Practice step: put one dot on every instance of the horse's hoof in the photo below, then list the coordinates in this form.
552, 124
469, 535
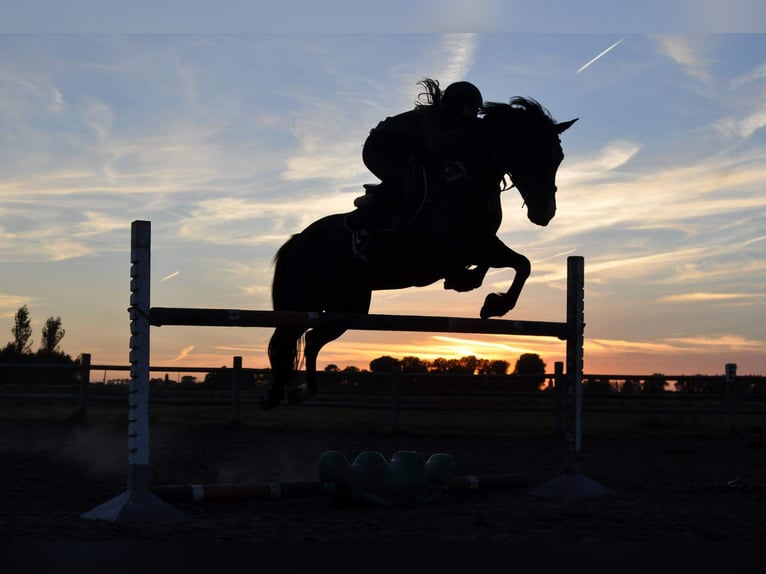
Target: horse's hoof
495, 305
300, 395
271, 399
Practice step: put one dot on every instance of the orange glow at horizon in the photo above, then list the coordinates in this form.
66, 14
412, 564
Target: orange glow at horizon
601, 356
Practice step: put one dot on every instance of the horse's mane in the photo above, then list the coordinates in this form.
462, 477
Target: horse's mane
526, 109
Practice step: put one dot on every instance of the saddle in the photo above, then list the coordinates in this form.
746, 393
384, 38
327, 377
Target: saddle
371, 220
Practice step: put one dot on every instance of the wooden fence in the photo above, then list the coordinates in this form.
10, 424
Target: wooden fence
399, 391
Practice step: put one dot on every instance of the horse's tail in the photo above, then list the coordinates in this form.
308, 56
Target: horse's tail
286, 344
280, 284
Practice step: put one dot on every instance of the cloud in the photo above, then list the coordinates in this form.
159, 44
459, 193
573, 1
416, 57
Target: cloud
688, 52
183, 353
240, 221
705, 297
459, 51
170, 276
743, 127
758, 73
610, 157
10, 304
705, 344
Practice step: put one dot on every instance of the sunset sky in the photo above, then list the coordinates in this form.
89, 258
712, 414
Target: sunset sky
229, 143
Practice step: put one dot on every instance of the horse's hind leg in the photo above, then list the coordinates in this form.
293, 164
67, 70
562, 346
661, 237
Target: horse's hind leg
283, 356
315, 340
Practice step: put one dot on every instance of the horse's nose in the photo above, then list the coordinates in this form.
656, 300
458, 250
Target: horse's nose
543, 215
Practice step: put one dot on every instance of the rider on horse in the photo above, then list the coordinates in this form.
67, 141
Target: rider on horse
402, 146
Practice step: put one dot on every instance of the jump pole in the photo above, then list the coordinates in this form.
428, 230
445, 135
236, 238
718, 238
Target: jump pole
138, 503
573, 483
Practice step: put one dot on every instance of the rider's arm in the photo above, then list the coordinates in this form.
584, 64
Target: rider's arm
440, 137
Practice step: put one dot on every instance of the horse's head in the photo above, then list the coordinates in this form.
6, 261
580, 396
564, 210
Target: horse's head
526, 145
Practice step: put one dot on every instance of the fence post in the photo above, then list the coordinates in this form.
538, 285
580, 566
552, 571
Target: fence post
396, 383
731, 397
82, 409
235, 380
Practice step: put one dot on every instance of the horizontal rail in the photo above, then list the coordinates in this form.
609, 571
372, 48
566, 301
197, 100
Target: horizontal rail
268, 490
160, 316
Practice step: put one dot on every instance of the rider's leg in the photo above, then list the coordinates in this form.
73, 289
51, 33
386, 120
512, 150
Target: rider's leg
377, 210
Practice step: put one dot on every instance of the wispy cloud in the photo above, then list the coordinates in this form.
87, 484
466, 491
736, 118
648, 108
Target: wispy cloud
9, 304
170, 276
707, 343
459, 52
688, 52
610, 157
182, 354
743, 127
758, 73
704, 297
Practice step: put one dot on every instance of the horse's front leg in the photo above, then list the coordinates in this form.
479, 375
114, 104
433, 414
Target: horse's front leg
466, 279
499, 255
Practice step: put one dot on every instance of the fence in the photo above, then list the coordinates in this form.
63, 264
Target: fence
729, 396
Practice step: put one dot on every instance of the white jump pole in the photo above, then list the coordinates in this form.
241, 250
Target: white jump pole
138, 503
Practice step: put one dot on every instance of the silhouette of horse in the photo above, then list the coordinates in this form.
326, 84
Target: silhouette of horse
451, 237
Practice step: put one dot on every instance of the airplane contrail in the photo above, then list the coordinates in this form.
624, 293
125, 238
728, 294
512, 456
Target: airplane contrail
173, 274
609, 49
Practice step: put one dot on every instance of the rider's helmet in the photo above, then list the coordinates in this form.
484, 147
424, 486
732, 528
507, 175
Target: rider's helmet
461, 99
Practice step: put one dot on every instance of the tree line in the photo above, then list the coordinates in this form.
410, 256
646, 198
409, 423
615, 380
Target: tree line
20, 348
530, 365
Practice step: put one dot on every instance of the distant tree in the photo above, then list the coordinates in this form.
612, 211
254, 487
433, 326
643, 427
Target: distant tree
466, 365
331, 368
441, 365
22, 332
655, 384
491, 367
414, 365
630, 386
222, 379
498, 367
351, 369
52, 335
530, 364
598, 385
383, 364
700, 384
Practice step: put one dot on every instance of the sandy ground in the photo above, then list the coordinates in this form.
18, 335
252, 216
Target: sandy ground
663, 490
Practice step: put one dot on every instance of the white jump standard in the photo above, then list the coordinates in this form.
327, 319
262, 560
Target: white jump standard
139, 503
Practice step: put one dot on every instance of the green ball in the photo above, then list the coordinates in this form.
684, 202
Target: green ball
334, 467
441, 469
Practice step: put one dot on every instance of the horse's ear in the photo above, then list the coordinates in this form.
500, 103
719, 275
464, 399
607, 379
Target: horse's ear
560, 127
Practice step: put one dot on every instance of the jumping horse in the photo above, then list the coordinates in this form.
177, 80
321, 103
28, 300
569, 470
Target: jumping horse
452, 236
